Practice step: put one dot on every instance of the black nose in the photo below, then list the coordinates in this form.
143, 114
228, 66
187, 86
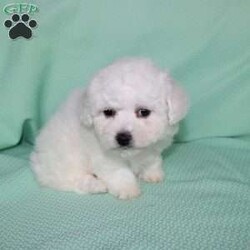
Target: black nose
124, 139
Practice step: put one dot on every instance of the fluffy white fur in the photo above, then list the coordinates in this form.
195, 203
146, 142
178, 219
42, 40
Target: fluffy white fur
78, 151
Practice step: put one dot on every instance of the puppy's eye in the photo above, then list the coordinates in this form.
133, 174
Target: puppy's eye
143, 113
109, 113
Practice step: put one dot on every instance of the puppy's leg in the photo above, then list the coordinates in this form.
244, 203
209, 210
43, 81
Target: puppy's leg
65, 175
153, 173
122, 183
90, 184
119, 179
61, 156
150, 169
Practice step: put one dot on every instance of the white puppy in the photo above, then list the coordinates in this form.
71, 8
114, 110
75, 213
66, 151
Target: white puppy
111, 132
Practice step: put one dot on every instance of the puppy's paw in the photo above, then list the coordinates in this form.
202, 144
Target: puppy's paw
128, 192
123, 185
153, 173
152, 176
91, 184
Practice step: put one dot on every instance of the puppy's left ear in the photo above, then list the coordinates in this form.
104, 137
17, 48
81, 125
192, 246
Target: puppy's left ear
176, 99
85, 115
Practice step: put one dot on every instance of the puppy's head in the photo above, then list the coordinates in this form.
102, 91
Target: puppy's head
131, 104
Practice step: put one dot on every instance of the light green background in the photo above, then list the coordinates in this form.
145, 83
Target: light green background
204, 202
204, 44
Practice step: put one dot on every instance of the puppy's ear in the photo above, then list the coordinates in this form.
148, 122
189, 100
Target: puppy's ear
85, 115
176, 100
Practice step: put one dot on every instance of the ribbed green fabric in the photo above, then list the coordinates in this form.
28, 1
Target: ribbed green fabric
203, 204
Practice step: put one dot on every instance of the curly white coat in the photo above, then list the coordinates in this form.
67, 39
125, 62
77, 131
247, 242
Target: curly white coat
78, 151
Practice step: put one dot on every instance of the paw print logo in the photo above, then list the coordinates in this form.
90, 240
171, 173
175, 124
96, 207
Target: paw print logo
20, 26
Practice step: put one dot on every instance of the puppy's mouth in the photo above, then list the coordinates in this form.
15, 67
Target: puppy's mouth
130, 148
125, 147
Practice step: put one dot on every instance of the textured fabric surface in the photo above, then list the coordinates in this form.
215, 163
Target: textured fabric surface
203, 204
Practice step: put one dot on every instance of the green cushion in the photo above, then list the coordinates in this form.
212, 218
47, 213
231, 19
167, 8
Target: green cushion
203, 204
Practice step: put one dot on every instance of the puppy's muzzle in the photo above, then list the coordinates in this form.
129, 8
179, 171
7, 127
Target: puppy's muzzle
124, 139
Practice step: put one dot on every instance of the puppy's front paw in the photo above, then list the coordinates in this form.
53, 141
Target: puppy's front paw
153, 173
125, 193
152, 176
123, 185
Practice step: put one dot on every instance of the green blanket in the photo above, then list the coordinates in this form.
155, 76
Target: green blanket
204, 203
